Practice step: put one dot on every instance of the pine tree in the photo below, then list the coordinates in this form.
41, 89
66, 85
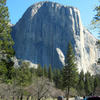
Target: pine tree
24, 74
57, 78
91, 79
96, 82
3, 70
87, 84
45, 72
80, 85
23, 78
6, 42
39, 70
70, 74
50, 73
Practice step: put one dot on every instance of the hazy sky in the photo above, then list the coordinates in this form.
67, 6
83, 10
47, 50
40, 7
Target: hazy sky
86, 7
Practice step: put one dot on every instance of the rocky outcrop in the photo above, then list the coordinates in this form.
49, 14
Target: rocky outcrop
42, 35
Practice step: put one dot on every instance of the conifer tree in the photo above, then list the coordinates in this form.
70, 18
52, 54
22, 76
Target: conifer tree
39, 70
3, 71
87, 84
50, 73
23, 78
57, 78
45, 72
70, 74
6, 42
80, 86
91, 79
24, 74
96, 82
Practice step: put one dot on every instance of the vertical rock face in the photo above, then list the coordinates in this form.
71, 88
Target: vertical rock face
43, 33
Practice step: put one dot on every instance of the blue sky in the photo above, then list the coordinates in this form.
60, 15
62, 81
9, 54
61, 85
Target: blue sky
86, 7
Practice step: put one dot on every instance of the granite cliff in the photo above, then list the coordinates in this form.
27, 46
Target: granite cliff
42, 35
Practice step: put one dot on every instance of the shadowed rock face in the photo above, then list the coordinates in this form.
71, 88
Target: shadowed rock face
43, 33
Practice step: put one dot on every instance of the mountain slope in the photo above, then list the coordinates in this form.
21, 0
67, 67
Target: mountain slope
43, 32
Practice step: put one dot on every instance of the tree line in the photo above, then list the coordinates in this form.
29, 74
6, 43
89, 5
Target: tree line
83, 83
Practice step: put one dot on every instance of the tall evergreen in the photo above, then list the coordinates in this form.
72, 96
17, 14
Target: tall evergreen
3, 70
70, 74
87, 84
23, 78
6, 42
80, 86
39, 70
57, 78
23, 74
91, 79
96, 82
45, 71
50, 73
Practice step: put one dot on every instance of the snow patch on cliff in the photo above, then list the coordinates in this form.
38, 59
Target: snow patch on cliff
61, 56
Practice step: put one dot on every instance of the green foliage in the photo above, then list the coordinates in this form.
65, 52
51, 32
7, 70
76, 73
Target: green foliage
97, 16
57, 78
3, 71
96, 21
6, 70
87, 83
70, 74
96, 83
91, 79
10, 68
33, 72
50, 75
81, 80
6, 42
39, 70
45, 71
23, 75
80, 86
